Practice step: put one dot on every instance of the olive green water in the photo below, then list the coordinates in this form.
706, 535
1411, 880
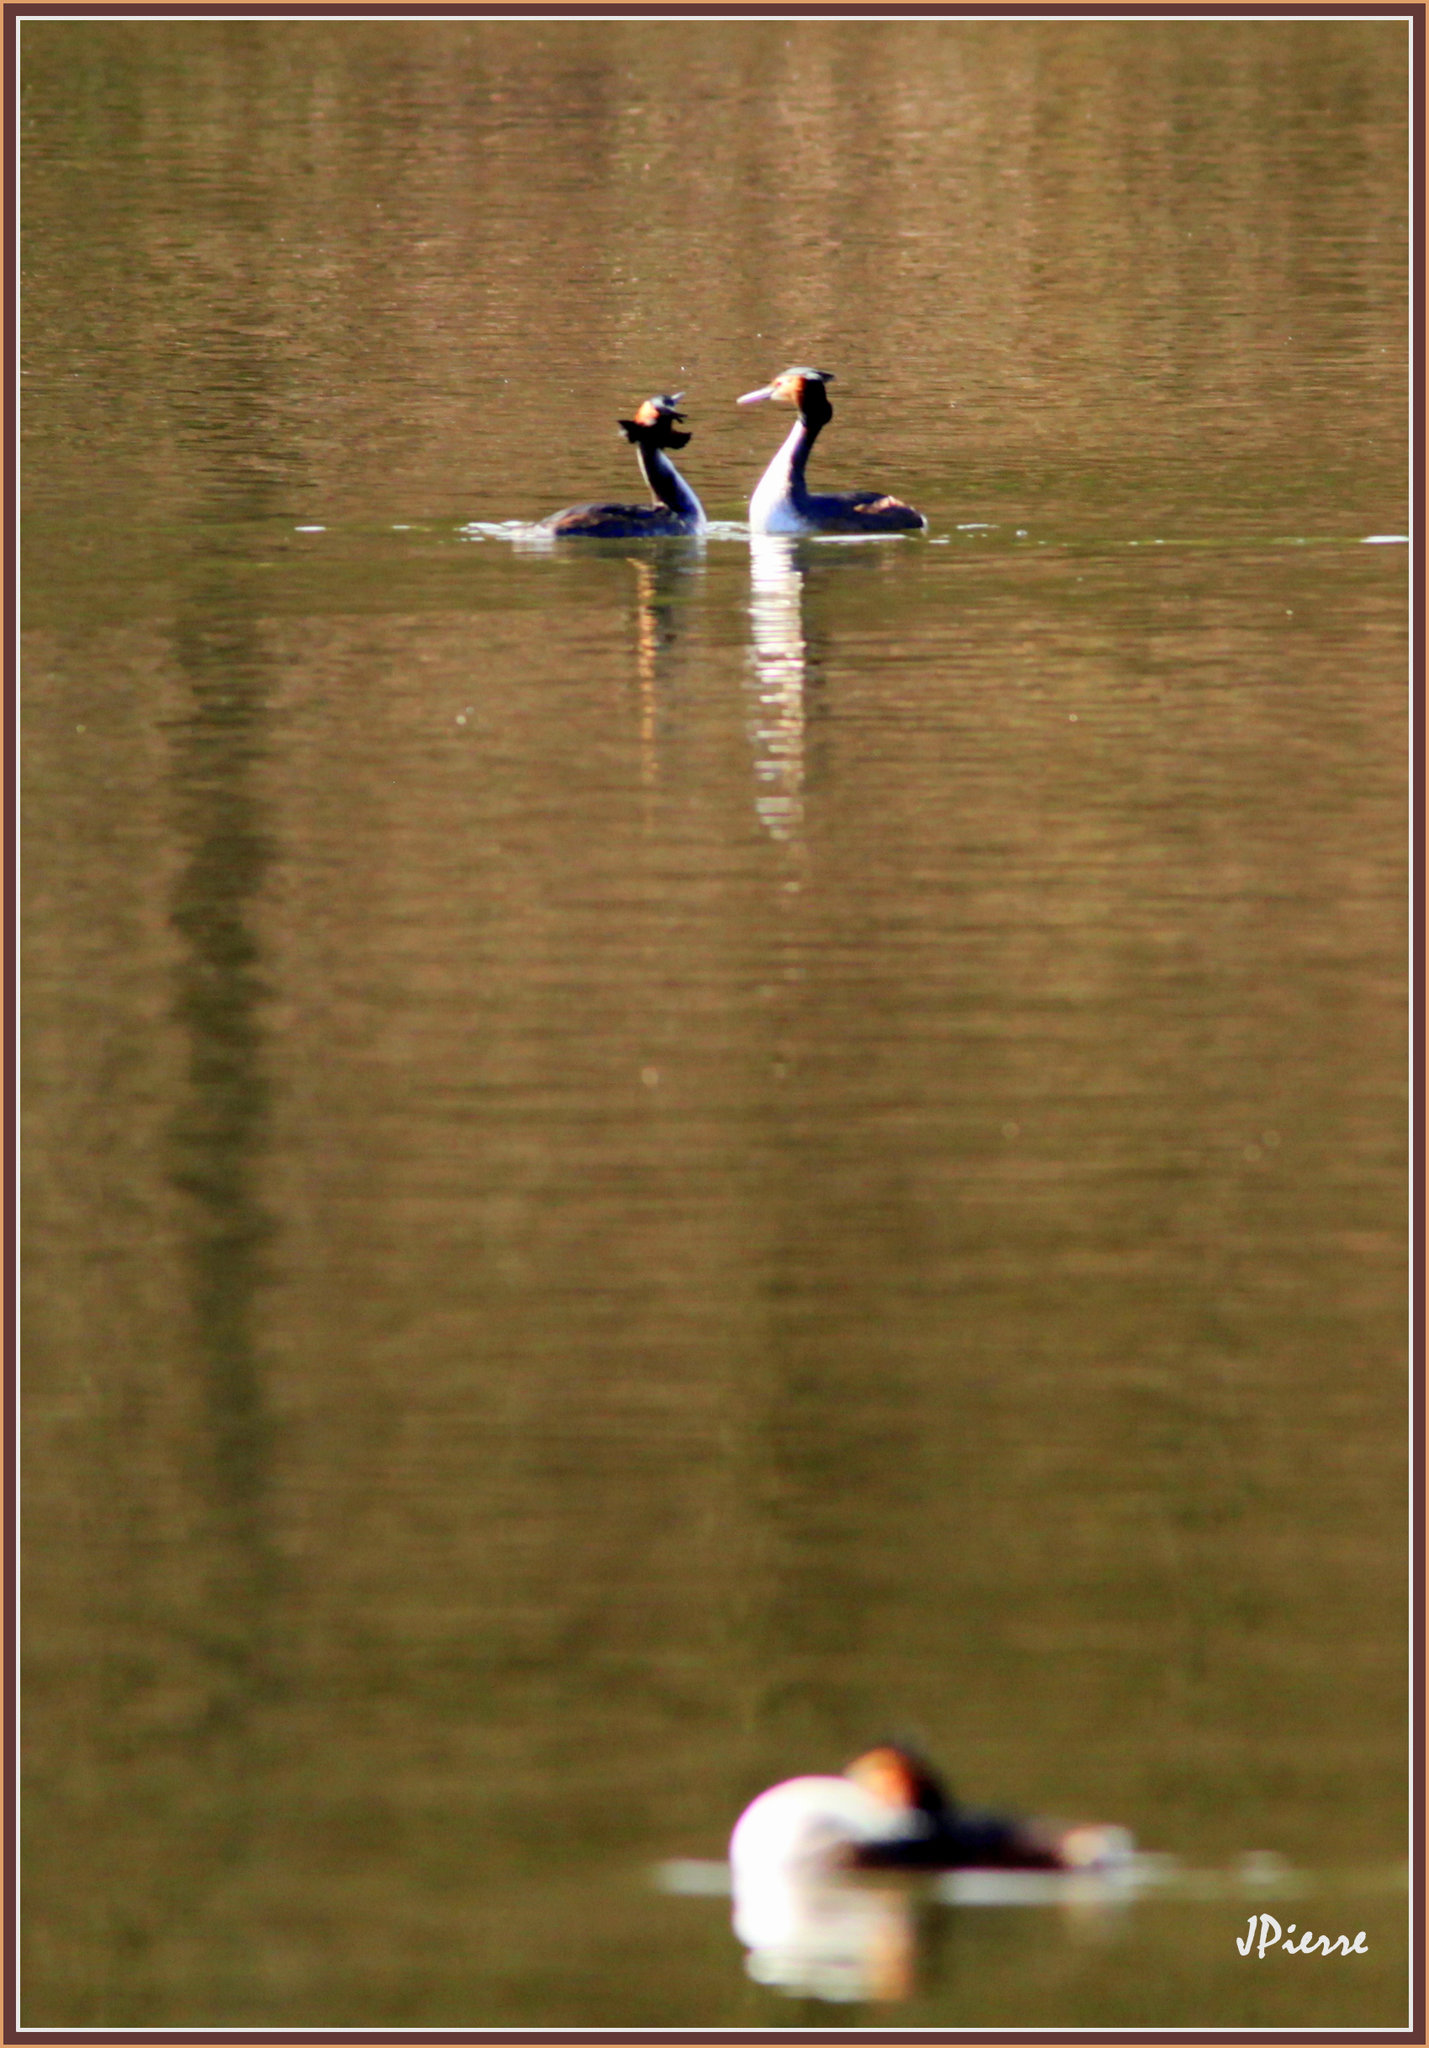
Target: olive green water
640, 1166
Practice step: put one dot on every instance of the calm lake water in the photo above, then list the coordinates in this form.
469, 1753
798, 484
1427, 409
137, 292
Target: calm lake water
643, 1164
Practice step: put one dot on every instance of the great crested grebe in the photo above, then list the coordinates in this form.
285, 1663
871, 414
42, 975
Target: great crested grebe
889, 1812
676, 512
783, 503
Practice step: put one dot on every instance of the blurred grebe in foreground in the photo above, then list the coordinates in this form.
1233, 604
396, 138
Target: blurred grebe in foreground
783, 503
889, 1812
676, 511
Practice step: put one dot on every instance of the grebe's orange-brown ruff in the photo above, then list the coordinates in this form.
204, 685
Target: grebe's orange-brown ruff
783, 502
676, 513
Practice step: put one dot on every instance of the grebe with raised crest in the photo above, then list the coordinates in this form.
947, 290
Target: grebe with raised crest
783, 502
890, 1812
677, 513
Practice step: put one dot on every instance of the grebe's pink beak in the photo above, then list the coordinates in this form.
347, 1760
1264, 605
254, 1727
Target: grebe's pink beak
753, 397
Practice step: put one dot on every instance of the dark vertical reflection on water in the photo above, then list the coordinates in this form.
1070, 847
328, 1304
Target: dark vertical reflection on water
245, 469
219, 1130
210, 1782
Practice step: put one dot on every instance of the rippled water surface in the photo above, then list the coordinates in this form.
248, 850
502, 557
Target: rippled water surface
643, 1164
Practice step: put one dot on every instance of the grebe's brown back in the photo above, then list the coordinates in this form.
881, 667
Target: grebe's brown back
676, 513
783, 502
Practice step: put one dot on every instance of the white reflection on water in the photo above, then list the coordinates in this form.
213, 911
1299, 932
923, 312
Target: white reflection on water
819, 1936
538, 535
846, 1938
778, 660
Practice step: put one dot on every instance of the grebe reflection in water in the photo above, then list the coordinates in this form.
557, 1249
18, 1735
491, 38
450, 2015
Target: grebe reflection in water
778, 677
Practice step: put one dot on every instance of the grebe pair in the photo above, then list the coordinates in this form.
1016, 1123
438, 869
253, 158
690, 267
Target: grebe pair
782, 502
890, 1812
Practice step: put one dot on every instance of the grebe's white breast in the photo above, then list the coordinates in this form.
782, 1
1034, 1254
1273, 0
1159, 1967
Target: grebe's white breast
812, 1822
807, 1927
772, 508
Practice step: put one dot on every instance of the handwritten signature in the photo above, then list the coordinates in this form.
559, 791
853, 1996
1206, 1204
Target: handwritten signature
1308, 1945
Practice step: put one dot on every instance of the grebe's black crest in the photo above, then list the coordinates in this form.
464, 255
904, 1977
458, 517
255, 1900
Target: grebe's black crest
676, 513
655, 422
782, 501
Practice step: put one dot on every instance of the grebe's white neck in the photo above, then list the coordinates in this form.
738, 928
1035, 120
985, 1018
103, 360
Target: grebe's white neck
781, 497
669, 487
